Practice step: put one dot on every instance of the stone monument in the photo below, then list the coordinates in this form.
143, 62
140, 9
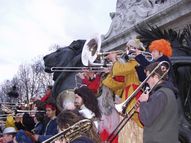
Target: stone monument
174, 14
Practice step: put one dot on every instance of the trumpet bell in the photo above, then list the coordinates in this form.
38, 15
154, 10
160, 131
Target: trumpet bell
90, 50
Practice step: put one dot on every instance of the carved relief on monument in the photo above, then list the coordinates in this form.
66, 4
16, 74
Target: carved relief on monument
130, 12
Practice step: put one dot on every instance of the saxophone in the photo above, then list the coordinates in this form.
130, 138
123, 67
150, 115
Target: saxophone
72, 132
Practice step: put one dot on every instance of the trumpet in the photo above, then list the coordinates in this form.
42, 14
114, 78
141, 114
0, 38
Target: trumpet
131, 54
72, 132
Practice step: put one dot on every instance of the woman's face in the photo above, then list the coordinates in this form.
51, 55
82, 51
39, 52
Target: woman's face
78, 100
156, 54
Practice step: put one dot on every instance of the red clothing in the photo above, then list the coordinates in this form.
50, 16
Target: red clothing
119, 78
93, 84
134, 88
45, 97
104, 135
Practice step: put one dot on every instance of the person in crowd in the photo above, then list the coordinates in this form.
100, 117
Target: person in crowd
48, 93
8, 135
39, 105
68, 118
24, 122
39, 123
91, 79
158, 110
87, 103
161, 50
13, 94
51, 127
10, 122
123, 80
24, 137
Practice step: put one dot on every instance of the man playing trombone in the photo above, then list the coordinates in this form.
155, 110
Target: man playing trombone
158, 111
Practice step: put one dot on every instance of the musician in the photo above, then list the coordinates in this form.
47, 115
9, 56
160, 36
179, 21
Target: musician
158, 110
161, 50
123, 77
87, 103
67, 118
51, 127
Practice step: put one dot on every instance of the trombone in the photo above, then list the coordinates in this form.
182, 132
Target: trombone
78, 69
121, 108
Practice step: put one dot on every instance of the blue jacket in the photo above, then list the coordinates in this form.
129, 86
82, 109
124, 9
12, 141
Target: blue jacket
82, 140
51, 129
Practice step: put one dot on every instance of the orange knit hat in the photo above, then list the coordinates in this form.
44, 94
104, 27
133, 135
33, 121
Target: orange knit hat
162, 46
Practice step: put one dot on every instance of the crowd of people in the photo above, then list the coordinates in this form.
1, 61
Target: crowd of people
155, 120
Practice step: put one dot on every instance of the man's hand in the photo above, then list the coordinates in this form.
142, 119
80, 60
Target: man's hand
36, 137
144, 97
112, 57
81, 75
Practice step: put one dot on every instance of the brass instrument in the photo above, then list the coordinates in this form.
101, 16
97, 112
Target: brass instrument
121, 108
5, 117
91, 53
6, 109
65, 99
30, 111
72, 132
78, 69
131, 54
15, 111
90, 50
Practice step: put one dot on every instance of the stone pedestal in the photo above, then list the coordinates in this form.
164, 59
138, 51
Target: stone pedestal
174, 14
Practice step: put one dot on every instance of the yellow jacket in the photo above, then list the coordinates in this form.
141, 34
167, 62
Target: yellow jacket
130, 79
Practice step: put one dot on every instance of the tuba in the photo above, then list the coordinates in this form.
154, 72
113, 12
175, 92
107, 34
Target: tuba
72, 132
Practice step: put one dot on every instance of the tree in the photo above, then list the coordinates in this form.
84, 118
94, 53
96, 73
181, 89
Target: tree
30, 80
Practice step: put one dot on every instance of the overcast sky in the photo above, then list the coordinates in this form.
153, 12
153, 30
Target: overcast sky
28, 28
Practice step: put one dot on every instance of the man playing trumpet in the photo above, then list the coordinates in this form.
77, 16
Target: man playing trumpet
123, 80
